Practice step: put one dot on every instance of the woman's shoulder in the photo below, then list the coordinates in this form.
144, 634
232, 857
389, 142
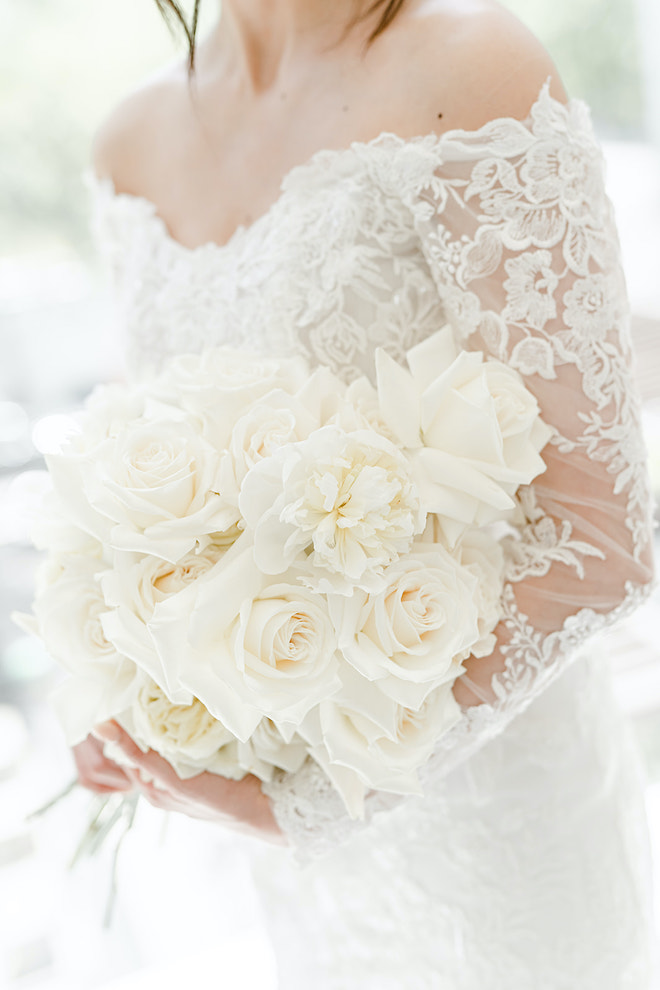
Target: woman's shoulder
442, 65
136, 130
474, 61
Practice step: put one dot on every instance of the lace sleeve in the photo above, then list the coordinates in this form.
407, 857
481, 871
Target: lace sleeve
518, 233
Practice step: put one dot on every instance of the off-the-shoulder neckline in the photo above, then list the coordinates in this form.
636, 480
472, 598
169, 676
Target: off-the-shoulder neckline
104, 185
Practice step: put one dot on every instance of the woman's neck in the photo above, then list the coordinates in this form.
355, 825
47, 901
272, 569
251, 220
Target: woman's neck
259, 38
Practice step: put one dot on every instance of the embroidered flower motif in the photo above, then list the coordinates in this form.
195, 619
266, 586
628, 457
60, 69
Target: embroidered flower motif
556, 172
591, 306
530, 289
533, 356
336, 341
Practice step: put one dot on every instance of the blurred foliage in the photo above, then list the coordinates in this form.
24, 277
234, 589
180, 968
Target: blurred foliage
594, 44
65, 63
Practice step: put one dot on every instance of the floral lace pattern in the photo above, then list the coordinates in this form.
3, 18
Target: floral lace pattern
505, 232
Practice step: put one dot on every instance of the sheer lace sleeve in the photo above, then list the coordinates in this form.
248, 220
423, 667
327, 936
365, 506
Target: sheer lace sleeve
515, 226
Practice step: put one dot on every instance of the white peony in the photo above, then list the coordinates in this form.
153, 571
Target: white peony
410, 637
345, 499
470, 427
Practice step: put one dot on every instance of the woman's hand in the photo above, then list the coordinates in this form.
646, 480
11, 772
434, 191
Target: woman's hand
96, 771
238, 804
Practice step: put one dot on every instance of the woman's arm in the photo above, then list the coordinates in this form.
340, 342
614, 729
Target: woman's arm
518, 234
236, 804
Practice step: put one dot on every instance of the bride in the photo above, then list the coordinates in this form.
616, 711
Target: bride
363, 174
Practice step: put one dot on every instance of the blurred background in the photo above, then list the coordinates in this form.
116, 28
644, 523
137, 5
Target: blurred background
184, 906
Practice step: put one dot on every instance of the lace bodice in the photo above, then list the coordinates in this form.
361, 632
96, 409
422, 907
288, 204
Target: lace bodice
505, 232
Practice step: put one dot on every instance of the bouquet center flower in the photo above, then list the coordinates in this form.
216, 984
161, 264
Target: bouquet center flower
345, 499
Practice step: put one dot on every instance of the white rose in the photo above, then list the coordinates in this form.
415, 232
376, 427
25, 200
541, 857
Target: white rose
284, 646
68, 613
68, 607
108, 410
470, 427
322, 394
417, 731
522, 430
187, 736
113, 416
345, 499
153, 488
278, 419
53, 529
268, 749
38, 511
220, 384
358, 409
140, 583
410, 637
364, 740
133, 589
481, 554
269, 424
246, 648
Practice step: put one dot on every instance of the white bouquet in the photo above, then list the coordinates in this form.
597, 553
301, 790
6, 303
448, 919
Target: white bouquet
251, 565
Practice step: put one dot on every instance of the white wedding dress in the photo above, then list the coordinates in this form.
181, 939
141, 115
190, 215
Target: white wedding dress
526, 865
